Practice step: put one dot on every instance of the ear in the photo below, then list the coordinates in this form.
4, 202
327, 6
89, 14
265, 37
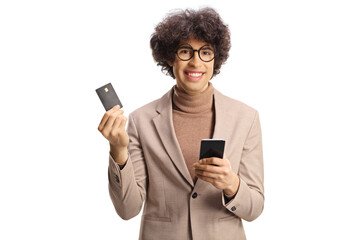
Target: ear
170, 63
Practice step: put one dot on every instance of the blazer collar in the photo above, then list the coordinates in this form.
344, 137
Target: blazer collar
164, 126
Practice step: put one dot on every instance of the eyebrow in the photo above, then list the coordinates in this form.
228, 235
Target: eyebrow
188, 45
185, 46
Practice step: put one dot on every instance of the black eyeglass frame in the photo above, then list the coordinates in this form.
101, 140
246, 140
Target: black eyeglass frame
193, 52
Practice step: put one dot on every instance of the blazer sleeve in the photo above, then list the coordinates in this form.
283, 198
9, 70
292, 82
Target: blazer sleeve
127, 186
248, 202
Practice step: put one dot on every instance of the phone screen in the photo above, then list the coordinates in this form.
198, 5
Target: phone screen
212, 148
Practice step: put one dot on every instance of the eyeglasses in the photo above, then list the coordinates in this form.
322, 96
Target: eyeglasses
186, 52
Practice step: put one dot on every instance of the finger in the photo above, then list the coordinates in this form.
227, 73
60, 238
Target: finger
110, 122
118, 121
213, 160
208, 168
207, 179
106, 116
206, 174
113, 117
123, 122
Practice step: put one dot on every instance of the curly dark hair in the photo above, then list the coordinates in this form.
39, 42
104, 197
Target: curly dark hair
204, 24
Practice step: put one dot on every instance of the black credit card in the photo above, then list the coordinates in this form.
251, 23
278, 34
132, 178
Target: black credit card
108, 96
212, 148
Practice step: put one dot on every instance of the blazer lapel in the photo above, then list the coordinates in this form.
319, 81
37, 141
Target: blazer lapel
222, 118
221, 130
165, 128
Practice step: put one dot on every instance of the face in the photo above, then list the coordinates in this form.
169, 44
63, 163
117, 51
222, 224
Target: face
193, 76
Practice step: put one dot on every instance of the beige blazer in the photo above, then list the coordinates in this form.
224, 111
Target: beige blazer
156, 174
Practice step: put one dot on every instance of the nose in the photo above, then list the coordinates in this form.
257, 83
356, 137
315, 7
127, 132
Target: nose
195, 60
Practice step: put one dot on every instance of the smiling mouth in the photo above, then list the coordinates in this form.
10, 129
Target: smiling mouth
194, 74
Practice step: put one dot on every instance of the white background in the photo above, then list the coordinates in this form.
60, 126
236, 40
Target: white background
296, 62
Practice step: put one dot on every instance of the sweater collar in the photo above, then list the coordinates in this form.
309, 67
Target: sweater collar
198, 103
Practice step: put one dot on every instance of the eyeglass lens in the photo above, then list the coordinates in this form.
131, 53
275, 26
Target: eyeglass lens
185, 53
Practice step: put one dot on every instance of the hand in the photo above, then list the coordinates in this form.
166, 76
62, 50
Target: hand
221, 176
112, 127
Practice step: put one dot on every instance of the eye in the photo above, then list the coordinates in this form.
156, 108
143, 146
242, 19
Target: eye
184, 51
206, 52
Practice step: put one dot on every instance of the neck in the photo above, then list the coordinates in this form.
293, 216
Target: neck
198, 103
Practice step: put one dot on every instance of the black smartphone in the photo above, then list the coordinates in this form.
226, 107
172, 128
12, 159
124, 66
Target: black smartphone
108, 96
212, 148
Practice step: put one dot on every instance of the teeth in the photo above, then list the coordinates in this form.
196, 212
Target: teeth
195, 74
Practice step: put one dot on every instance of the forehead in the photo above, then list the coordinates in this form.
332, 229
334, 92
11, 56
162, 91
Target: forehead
195, 43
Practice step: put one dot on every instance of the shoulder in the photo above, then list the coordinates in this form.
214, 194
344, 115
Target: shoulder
232, 105
145, 112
